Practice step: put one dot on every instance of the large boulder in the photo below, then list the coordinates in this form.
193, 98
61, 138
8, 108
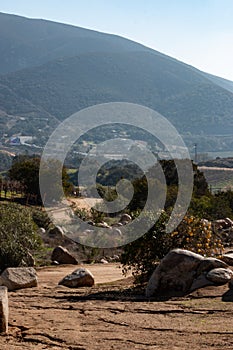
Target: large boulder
181, 272
63, 256
174, 274
19, 277
79, 278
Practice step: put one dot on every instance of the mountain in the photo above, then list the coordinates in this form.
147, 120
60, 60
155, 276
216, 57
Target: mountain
51, 70
26, 42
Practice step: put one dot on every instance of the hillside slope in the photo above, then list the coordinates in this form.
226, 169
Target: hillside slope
68, 68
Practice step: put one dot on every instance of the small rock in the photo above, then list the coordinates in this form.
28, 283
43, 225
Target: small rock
63, 256
117, 224
103, 224
4, 310
55, 262
19, 277
116, 257
79, 278
125, 218
41, 230
56, 231
104, 261
219, 275
91, 223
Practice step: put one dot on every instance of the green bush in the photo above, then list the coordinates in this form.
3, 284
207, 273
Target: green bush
41, 218
18, 235
142, 255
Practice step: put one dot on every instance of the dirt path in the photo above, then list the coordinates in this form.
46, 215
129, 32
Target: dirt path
103, 273
85, 203
114, 316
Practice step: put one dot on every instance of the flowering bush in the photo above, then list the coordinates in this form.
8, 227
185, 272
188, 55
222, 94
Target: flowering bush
194, 234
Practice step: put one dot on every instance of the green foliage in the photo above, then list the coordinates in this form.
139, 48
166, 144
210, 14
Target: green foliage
41, 218
193, 234
26, 170
141, 255
17, 235
5, 161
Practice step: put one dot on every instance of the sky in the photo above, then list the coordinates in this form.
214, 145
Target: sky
197, 32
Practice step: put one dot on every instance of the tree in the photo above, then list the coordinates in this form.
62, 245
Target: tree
26, 171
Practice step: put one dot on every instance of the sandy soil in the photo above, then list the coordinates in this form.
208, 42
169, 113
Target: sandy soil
113, 315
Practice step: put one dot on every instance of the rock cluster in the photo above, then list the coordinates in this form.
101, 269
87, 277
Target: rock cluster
181, 272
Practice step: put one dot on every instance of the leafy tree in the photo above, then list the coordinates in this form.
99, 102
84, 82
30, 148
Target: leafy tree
26, 171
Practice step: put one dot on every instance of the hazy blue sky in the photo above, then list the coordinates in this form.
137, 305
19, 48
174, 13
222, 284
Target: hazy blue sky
198, 32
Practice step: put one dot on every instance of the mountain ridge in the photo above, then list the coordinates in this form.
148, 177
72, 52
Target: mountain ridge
197, 103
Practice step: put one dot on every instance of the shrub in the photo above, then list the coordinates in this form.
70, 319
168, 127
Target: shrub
17, 235
142, 255
41, 218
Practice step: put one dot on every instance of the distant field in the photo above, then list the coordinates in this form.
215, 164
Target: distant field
218, 178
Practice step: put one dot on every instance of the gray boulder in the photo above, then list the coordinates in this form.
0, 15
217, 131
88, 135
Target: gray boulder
79, 278
219, 276
19, 277
181, 272
63, 256
174, 274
